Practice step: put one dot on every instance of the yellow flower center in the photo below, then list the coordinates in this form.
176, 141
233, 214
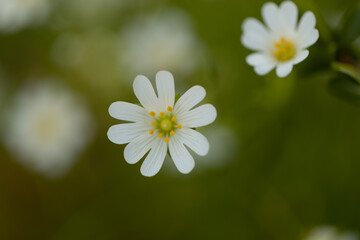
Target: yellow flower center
165, 124
47, 127
284, 50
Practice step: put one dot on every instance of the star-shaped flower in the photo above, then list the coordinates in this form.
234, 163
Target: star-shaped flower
162, 124
283, 42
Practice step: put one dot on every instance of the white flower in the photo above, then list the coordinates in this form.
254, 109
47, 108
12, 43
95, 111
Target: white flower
162, 124
163, 40
46, 128
330, 233
282, 42
17, 14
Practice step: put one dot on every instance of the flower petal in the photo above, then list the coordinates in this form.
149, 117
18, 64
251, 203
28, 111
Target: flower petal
144, 91
254, 34
289, 13
309, 39
283, 70
194, 140
198, 117
165, 88
183, 160
136, 149
127, 111
307, 22
154, 159
301, 56
271, 16
190, 98
264, 69
256, 59
124, 133
307, 33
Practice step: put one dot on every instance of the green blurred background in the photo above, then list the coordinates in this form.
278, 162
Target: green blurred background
293, 165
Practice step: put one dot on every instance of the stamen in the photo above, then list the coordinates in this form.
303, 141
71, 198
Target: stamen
289, 44
172, 133
151, 132
152, 123
152, 114
169, 108
179, 126
166, 139
284, 50
160, 135
173, 119
162, 114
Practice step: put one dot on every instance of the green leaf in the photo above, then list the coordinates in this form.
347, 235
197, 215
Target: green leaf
347, 69
345, 88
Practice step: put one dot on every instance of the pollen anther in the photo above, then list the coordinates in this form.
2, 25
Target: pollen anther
151, 132
172, 133
162, 114
152, 114
284, 50
160, 135
179, 126
169, 108
173, 119
166, 139
152, 123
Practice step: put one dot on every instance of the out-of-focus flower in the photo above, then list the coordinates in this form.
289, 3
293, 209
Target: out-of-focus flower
330, 233
161, 124
224, 147
47, 127
163, 40
282, 42
17, 14
90, 13
91, 57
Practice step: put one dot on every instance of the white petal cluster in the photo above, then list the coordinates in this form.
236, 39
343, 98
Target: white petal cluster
162, 40
161, 124
46, 128
330, 233
17, 14
282, 42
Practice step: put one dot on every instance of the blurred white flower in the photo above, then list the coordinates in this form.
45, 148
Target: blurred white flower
46, 128
224, 147
17, 14
161, 124
282, 42
330, 233
91, 57
163, 40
